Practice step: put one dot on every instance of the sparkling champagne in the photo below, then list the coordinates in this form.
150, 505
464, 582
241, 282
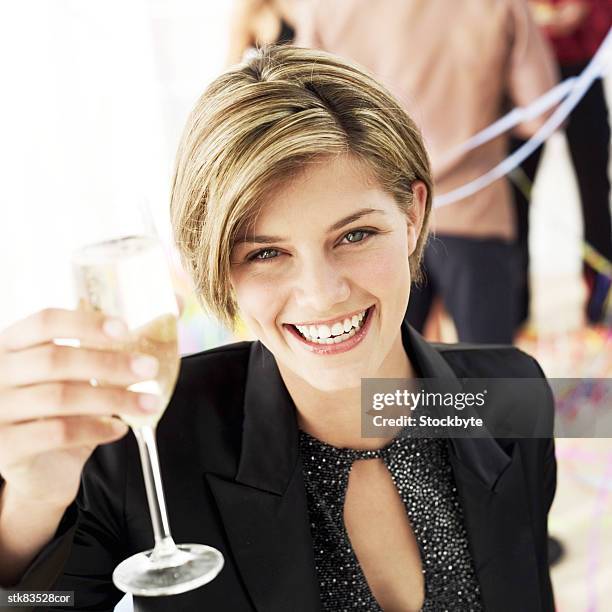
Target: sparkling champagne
127, 278
157, 338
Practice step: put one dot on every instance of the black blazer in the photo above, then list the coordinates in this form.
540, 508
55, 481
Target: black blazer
228, 447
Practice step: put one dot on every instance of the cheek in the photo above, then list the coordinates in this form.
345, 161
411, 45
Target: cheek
259, 299
385, 268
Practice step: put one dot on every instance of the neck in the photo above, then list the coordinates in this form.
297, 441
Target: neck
334, 417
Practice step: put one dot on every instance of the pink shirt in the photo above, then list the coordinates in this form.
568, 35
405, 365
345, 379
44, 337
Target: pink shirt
451, 63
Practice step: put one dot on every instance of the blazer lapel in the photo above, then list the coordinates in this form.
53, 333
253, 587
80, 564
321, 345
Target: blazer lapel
500, 534
491, 487
264, 510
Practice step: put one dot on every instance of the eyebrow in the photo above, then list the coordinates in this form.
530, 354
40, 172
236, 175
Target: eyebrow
263, 239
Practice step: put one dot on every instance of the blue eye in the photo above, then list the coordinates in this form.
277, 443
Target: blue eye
352, 237
358, 236
263, 255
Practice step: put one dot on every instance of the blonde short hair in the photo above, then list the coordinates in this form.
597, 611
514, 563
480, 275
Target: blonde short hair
258, 124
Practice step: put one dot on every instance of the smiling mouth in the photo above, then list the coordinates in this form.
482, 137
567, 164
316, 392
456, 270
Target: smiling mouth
340, 331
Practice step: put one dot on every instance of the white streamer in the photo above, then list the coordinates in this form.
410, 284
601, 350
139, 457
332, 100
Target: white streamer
574, 88
513, 118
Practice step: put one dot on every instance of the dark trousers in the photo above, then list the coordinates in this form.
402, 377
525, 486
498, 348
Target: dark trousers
477, 281
588, 137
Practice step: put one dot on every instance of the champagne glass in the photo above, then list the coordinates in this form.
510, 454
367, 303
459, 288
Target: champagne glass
128, 278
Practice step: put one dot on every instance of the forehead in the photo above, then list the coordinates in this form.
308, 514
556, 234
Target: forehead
324, 188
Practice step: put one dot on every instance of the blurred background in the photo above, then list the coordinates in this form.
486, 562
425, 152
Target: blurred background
95, 95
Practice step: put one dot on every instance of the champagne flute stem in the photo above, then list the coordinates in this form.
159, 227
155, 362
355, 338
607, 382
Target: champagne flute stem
164, 544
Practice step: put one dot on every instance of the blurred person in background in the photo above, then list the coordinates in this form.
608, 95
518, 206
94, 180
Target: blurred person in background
451, 64
256, 23
576, 29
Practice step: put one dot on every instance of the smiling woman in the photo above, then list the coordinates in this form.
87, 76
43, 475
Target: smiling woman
300, 203
342, 251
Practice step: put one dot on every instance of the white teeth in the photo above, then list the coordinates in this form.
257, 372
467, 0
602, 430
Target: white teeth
324, 331
338, 332
335, 339
304, 331
337, 329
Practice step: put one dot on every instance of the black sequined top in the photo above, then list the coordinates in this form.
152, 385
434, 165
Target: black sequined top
422, 473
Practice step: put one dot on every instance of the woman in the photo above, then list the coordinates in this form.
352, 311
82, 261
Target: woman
300, 200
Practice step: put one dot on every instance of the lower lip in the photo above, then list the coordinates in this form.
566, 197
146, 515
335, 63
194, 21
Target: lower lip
334, 349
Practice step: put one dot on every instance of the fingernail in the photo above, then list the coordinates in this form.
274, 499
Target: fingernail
115, 328
145, 366
149, 403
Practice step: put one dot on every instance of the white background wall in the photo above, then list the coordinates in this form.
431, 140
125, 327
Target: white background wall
94, 96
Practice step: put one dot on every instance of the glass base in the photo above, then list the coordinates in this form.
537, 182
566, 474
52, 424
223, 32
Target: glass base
192, 566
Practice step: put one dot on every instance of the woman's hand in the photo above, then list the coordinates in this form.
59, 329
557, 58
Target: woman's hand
51, 416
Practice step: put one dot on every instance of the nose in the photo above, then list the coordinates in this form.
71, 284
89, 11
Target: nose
320, 285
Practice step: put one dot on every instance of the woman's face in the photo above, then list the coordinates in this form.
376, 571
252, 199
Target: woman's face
323, 279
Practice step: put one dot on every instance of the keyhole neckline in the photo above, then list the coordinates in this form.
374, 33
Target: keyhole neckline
352, 454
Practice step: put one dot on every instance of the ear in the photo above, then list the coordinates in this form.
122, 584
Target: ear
416, 216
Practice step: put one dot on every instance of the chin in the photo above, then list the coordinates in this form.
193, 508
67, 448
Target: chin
330, 382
